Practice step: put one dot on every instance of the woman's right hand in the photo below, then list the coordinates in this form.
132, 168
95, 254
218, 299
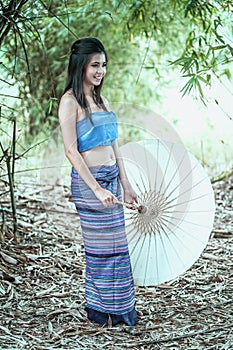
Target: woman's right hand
106, 197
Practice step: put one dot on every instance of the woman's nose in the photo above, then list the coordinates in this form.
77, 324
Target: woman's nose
101, 70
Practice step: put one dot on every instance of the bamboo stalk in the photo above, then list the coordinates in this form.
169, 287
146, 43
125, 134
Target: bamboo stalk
13, 204
2, 228
13, 149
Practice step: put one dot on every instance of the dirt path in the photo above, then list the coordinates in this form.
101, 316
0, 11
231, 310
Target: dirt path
42, 285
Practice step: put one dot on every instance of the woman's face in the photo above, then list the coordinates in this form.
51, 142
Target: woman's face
95, 70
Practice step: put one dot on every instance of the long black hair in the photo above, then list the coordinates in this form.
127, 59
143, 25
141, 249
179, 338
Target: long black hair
81, 52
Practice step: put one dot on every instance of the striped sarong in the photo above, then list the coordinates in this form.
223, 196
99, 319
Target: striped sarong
109, 287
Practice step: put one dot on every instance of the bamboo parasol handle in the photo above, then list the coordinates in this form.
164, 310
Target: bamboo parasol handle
140, 208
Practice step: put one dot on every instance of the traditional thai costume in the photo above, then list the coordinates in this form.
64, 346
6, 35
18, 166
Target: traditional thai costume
109, 287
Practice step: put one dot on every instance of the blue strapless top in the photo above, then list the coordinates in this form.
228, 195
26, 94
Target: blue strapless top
104, 132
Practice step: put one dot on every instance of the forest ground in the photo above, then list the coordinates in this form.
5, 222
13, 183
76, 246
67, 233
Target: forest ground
42, 284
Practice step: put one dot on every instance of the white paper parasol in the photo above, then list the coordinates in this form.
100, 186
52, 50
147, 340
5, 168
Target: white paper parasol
170, 234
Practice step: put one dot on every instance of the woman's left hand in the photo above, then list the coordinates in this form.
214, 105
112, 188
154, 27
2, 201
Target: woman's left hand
130, 195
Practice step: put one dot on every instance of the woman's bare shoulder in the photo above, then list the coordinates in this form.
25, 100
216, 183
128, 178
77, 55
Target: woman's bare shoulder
69, 99
106, 103
69, 103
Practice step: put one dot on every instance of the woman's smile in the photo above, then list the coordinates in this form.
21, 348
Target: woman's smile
99, 78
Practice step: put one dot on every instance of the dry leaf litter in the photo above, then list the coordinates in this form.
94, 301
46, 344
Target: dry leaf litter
42, 284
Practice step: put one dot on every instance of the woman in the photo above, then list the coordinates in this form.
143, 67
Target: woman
89, 131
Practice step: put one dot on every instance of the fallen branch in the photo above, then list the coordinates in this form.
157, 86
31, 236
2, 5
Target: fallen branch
209, 306
178, 337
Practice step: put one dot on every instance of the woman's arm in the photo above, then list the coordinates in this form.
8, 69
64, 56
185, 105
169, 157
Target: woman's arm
130, 195
67, 113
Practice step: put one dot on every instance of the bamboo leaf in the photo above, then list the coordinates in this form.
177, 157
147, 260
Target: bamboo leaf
219, 47
188, 86
198, 85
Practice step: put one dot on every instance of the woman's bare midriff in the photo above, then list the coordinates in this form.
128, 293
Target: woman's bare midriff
101, 155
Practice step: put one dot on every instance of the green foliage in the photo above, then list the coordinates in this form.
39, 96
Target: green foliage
141, 37
208, 49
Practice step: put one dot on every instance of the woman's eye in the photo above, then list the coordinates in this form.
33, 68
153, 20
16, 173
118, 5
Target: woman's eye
96, 65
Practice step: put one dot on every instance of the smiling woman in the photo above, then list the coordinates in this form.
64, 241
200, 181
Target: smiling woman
89, 131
